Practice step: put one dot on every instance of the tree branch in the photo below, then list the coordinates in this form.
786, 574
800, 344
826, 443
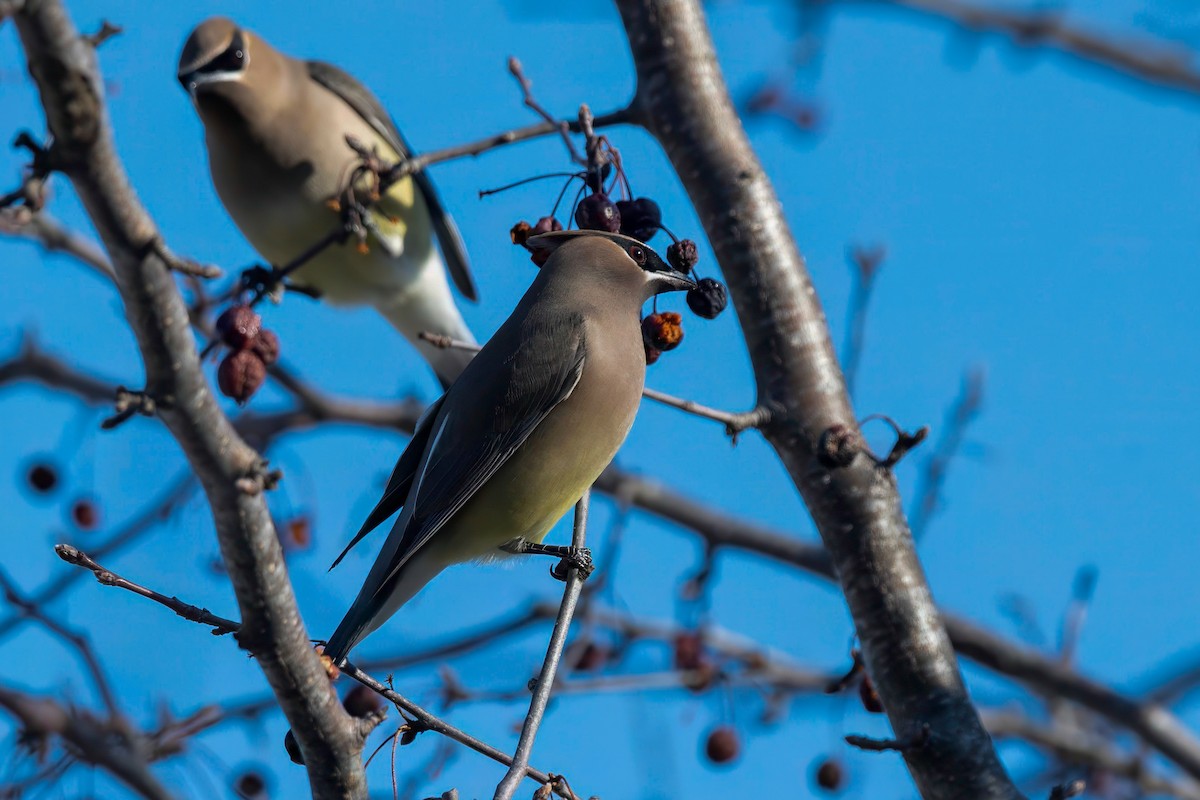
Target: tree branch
682, 100
63, 65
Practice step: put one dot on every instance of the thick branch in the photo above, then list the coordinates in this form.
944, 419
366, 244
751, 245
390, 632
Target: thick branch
63, 65
682, 100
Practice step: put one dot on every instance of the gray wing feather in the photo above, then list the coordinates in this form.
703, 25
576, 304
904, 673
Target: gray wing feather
367, 105
467, 450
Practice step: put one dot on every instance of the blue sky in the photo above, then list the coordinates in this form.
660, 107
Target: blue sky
1041, 223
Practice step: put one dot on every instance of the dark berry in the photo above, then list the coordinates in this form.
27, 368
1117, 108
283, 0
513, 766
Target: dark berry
42, 477
238, 325
870, 697
640, 218
266, 346
683, 255
361, 701
722, 744
520, 232
539, 257
85, 514
663, 331
595, 181
689, 651
240, 375
651, 354
293, 748
597, 213
708, 299
831, 775
250, 785
592, 658
547, 225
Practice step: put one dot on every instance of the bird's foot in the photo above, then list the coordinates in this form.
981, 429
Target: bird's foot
571, 557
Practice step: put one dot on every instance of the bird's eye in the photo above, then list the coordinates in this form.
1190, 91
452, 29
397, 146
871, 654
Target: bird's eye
637, 254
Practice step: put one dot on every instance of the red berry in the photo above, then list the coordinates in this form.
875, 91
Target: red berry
361, 701
266, 346
722, 744
42, 477
662, 331
240, 375
85, 514
250, 785
831, 775
683, 255
238, 325
547, 225
597, 213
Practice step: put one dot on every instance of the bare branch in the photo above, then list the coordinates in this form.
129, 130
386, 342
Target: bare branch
54, 237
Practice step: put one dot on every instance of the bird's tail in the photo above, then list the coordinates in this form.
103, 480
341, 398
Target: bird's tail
373, 607
427, 305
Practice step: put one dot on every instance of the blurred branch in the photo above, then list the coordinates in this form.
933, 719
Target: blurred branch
94, 741
866, 263
1142, 59
63, 65
958, 420
682, 100
54, 237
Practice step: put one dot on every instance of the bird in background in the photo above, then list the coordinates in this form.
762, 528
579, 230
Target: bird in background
276, 128
530, 424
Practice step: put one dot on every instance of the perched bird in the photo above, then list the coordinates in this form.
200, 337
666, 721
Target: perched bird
276, 131
525, 430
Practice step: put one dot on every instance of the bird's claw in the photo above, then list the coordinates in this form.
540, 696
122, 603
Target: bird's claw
578, 558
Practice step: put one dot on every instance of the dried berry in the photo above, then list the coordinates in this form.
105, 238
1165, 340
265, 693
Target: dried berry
683, 255
651, 354
869, 697
539, 257
361, 701
722, 744
592, 658
689, 651
663, 331
238, 325
597, 213
85, 514
266, 346
293, 748
250, 785
240, 375
640, 218
830, 774
708, 299
547, 225
42, 477
520, 232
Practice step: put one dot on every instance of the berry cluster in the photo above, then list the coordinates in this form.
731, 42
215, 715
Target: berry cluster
252, 348
42, 476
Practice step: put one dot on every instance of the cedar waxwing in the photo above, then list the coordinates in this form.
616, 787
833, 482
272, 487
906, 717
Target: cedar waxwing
529, 425
276, 131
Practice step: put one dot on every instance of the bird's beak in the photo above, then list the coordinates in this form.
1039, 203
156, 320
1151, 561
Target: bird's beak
671, 280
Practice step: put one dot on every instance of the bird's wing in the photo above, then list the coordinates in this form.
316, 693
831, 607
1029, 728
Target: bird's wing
367, 106
400, 482
470, 444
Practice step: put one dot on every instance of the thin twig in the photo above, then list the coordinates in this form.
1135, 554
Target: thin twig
958, 420
866, 262
545, 680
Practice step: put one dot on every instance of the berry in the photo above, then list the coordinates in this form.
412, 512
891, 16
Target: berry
708, 299
597, 213
722, 744
293, 748
547, 225
592, 658
250, 785
663, 331
266, 346
240, 375
689, 651
539, 257
42, 477
85, 514
520, 232
640, 218
831, 775
297, 533
596, 182
683, 255
361, 701
238, 325
651, 354
869, 697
